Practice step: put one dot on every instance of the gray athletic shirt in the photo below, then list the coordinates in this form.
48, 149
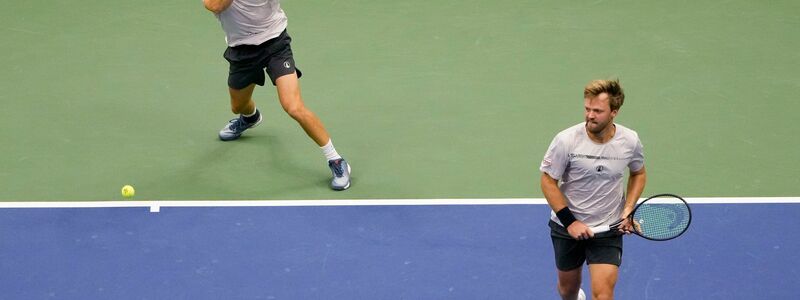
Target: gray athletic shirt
252, 22
591, 174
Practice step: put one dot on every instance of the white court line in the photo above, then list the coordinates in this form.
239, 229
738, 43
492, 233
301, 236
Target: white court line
156, 205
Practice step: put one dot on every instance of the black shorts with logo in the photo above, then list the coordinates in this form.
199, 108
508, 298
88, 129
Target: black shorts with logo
571, 253
249, 62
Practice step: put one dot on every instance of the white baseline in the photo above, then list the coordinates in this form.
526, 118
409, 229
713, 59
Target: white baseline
155, 205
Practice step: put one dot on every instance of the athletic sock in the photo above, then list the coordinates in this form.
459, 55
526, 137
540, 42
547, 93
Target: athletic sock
251, 118
329, 151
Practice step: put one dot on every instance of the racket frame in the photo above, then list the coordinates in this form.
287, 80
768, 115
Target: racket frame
615, 225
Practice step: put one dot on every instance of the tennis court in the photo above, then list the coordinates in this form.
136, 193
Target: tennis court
375, 251
452, 100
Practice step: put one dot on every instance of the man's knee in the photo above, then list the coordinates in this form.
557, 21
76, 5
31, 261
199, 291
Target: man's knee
571, 290
602, 295
297, 112
603, 290
569, 287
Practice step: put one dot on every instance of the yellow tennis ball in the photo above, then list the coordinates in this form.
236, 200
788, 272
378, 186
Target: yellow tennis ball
128, 191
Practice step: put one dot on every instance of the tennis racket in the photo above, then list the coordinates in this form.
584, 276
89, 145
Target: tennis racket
659, 218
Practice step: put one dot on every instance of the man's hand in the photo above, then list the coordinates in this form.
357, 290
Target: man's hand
628, 225
579, 231
217, 6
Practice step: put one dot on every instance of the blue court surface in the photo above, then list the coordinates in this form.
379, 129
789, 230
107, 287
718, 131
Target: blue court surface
732, 251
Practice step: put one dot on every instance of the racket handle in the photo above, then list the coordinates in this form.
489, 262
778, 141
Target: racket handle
599, 229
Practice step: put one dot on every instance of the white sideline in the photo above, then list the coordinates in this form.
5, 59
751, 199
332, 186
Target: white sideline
156, 205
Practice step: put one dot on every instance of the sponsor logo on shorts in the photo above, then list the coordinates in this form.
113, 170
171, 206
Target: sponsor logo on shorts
286, 64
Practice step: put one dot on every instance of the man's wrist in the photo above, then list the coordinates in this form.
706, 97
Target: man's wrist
566, 217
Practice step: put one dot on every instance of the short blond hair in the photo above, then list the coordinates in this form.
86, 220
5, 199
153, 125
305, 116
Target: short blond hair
616, 96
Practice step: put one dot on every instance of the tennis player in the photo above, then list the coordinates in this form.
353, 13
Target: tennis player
582, 174
255, 31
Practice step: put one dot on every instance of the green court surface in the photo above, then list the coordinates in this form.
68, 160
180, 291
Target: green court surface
426, 99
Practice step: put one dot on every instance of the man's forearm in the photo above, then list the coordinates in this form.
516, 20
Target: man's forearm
551, 193
636, 183
556, 200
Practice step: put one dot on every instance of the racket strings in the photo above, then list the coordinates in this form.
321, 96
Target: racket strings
662, 221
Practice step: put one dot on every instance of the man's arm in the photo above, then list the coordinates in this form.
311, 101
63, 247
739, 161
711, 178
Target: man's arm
558, 203
636, 182
217, 6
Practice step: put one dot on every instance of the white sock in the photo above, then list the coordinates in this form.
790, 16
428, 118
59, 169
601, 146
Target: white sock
255, 110
329, 151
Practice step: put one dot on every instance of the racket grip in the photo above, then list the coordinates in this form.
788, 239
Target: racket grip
599, 229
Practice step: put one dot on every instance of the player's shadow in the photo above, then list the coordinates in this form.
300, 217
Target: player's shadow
278, 162
209, 176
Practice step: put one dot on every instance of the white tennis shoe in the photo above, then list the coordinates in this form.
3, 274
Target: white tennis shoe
235, 127
341, 174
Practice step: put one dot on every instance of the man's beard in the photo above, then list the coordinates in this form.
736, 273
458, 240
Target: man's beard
596, 128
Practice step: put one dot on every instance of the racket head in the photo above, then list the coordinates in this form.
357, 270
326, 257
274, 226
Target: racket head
662, 217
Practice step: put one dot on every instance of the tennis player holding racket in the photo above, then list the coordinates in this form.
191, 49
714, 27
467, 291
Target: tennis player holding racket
582, 174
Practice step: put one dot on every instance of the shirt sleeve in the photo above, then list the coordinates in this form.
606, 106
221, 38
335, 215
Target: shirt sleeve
555, 160
637, 161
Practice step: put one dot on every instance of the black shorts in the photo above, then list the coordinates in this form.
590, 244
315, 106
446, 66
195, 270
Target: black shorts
249, 62
571, 253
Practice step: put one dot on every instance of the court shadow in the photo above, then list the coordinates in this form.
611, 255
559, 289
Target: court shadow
210, 174
281, 162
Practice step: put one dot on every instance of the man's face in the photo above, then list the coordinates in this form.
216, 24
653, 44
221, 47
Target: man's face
598, 113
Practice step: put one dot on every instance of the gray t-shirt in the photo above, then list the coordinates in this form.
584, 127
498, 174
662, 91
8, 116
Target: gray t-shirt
591, 174
252, 22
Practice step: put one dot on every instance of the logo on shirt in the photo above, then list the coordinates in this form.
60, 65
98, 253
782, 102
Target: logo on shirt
286, 64
596, 157
599, 169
